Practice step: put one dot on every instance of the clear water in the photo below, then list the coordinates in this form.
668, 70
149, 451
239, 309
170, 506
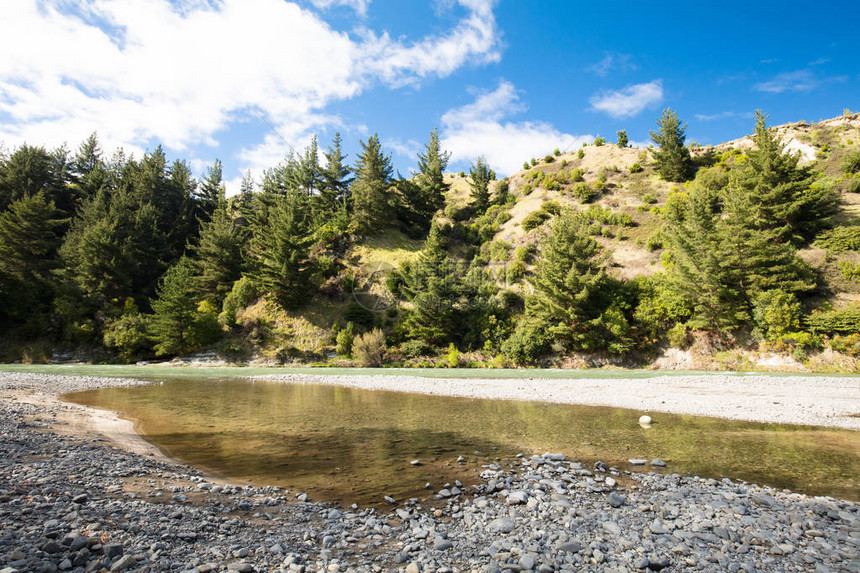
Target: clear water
348, 445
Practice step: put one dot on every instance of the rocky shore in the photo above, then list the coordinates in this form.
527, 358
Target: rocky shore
76, 503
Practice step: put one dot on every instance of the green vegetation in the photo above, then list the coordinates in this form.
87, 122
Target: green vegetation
123, 259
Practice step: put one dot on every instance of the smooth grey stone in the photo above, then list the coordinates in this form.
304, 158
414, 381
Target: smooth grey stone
517, 497
123, 563
442, 544
616, 499
612, 527
502, 525
658, 463
572, 546
637, 461
112, 550
80, 499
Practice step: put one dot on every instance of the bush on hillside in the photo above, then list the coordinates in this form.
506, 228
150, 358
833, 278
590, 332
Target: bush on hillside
369, 348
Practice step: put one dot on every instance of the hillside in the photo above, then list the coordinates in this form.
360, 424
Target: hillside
589, 257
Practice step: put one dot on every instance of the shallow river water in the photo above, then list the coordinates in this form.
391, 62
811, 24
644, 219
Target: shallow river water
348, 445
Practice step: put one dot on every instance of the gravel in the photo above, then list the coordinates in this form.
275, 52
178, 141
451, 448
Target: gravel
71, 503
807, 400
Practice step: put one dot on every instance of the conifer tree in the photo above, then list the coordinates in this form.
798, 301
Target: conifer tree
212, 192
432, 163
175, 310
622, 139
30, 232
673, 157
571, 285
480, 176
88, 168
280, 250
371, 190
218, 255
433, 285
336, 178
775, 194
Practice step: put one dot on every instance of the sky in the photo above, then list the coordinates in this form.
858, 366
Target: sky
246, 81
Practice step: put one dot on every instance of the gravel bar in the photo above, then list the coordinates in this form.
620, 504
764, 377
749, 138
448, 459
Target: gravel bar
74, 502
806, 400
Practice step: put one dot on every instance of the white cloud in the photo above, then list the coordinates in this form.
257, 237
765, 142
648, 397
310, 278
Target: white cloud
360, 6
799, 81
181, 74
628, 101
612, 61
723, 115
478, 129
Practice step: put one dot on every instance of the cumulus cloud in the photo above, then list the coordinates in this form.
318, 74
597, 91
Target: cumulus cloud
360, 6
628, 101
480, 129
182, 73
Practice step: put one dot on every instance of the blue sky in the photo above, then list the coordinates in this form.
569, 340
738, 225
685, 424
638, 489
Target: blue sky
244, 80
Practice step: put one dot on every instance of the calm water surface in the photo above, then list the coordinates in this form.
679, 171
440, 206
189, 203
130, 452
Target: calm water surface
349, 445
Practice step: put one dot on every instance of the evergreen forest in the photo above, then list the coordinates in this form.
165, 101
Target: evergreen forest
591, 256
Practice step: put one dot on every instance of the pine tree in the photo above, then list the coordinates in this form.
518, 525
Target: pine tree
673, 157
88, 168
371, 190
335, 180
622, 139
218, 256
175, 310
480, 176
776, 194
212, 192
280, 250
571, 285
433, 286
30, 232
432, 163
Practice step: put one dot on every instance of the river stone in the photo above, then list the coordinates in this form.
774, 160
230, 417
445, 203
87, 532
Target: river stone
554, 457
572, 546
123, 563
657, 527
442, 544
610, 481
616, 499
517, 497
413, 568
80, 499
78, 543
658, 463
637, 461
612, 527
502, 525
527, 562
112, 550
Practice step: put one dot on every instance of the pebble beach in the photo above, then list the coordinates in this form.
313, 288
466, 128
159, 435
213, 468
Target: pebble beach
73, 500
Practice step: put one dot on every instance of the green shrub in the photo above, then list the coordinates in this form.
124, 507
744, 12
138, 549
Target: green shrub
416, 349
526, 165
128, 335
549, 159
452, 357
655, 241
580, 153
522, 254
636, 168
776, 313
551, 207
515, 271
851, 162
849, 270
649, 198
853, 185
499, 250
345, 339
583, 192
243, 293
599, 186
528, 342
369, 348
503, 217
527, 189
840, 239
599, 141
848, 344
845, 320
556, 151
678, 336
535, 219
534, 161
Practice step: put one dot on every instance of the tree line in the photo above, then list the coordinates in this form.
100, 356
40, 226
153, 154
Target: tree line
131, 258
